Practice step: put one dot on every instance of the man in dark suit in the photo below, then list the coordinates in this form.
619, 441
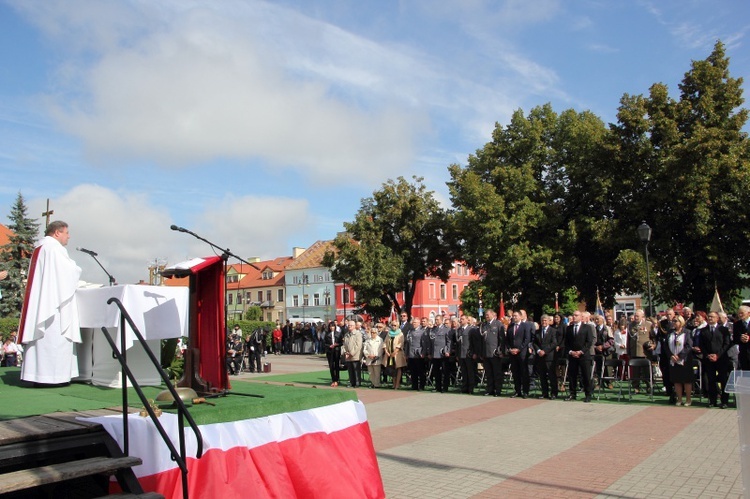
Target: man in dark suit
518, 340
579, 338
469, 345
493, 334
544, 344
715, 343
439, 353
406, 325
741, 336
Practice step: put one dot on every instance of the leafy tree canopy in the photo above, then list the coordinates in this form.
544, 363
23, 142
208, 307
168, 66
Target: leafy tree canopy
398, 237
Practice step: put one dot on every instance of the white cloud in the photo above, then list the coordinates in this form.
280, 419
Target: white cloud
203, 84
256, 225
129, 231
188, 82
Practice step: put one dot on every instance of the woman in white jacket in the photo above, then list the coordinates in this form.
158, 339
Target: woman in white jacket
621, 343
373, 353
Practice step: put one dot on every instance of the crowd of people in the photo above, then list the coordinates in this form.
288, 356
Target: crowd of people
680, 351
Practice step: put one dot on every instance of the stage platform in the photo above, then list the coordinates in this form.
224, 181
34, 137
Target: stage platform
275, 446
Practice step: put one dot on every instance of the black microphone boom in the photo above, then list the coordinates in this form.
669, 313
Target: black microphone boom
89, 252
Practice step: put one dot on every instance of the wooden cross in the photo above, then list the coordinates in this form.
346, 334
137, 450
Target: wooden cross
47, 214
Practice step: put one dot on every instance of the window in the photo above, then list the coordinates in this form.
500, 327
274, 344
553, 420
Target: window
316, 299
455, 291
305, 300
267, 274
295, 301
233, 278
229, 298
268, 295
345, 295
328, 298
247, 297
260, 295
239, 298
442, 292
431, 294
279, 295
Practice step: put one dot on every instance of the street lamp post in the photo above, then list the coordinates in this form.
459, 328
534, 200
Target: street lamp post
344, 298
644, 234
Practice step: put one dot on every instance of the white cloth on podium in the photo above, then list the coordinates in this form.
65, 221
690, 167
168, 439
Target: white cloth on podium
50, 316
159, 312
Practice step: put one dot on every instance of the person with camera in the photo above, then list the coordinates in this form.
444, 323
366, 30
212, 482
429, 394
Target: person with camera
234, 353
256, 343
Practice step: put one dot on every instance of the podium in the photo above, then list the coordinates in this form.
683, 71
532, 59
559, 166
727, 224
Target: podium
159, 312
205, 368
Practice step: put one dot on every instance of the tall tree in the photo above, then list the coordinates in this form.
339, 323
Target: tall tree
524, 199
684, 167
15, 257
398, 237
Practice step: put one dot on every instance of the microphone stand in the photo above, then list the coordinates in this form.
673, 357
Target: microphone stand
225, 254
111, 277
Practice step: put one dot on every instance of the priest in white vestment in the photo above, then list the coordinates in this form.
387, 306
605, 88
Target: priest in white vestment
49, 321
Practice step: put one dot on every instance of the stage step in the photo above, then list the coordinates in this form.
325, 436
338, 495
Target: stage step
60, 456
36, 477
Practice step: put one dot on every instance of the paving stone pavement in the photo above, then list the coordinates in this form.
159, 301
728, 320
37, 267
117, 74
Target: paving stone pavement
452, 445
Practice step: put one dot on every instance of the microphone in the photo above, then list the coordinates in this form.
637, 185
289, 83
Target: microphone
174, 227
88, 252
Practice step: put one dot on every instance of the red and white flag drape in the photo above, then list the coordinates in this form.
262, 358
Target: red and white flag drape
322, 452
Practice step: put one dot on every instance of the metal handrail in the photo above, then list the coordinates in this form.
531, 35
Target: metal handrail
178, 457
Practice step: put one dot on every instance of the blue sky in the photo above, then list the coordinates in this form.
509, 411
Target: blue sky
261, 125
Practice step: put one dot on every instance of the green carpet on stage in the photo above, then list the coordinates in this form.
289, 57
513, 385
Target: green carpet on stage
19, 400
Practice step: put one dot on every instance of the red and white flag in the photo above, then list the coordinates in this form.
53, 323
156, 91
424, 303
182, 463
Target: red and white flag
322, 452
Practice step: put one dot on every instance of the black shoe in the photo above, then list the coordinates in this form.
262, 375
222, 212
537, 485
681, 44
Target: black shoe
525, 396
489, 394
723, 406
514, 395
570, 397
541, 397
587, 400
552, 397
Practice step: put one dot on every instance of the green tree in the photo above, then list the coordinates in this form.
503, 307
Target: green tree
470, 299
523, 202
398, 237
682, 166
15, 257
253, 313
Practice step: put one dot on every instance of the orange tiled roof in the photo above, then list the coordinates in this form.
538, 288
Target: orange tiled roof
313, 256
5, 234
253, 278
